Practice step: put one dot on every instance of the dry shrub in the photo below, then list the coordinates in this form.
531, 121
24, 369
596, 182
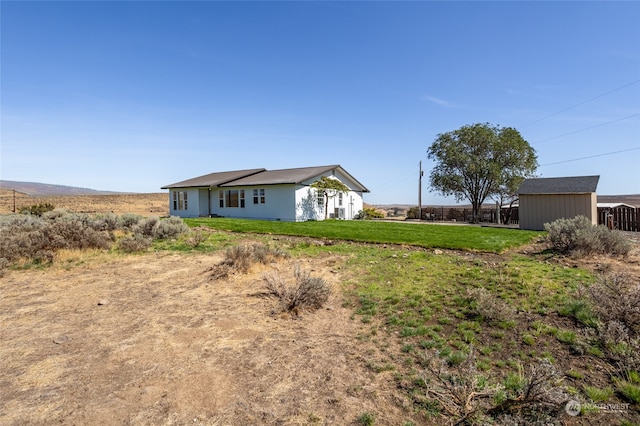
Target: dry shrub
4, 263
616, 297
146, 226
31, 237
197, 236
466, 397
171, 227
129, 220
616, 302
306, 292
134, 243
488, 306
239, 259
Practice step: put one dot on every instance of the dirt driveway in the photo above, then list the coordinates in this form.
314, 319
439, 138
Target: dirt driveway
152, 340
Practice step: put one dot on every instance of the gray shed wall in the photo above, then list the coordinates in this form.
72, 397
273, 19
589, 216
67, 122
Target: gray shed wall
536, 210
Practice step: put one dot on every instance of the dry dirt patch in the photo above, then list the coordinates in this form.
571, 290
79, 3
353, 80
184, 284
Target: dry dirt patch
151, 340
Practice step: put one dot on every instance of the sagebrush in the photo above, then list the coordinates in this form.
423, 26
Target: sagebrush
305, 292
37, 237
579, 236
239, 259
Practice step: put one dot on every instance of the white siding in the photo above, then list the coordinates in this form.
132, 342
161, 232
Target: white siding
287, 202
279, 203
193, 209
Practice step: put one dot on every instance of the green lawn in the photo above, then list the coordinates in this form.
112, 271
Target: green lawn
456, 237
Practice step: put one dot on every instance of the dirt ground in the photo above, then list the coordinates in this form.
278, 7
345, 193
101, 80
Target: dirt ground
151, 340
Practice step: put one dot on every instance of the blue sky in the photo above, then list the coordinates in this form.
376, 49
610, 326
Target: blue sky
130, 96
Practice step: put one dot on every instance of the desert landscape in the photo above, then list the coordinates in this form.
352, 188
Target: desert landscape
154, 339
153, 204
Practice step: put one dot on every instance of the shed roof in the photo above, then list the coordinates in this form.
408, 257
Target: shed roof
559, 185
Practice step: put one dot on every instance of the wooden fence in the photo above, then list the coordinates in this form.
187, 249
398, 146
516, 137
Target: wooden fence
621, 218
457, 214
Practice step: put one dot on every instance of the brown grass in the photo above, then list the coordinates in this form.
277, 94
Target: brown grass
154, 204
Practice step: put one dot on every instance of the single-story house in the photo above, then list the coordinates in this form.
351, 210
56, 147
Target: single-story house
284, 195
543, 200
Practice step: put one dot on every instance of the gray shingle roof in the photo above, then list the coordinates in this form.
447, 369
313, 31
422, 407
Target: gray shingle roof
274, 177
254, 177
559, 185
213, 179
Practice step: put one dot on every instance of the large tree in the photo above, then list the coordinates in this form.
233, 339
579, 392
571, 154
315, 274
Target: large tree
478, 161
327, 188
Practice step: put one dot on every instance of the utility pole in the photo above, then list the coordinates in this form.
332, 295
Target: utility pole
420, 192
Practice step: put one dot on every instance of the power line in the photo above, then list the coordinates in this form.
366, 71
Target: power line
591, 156
579, 104
585, 129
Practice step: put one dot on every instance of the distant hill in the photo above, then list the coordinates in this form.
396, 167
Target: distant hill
35, 189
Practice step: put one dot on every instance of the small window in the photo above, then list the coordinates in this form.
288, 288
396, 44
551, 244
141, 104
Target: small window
320, 197
242, 198
255, 196
221, 197
180, 200
262, 197
340, 198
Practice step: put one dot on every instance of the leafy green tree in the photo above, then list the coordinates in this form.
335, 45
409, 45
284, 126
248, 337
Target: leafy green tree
480, 160
328, 188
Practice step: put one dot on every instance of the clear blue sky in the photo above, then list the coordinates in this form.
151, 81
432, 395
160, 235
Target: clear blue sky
130, 96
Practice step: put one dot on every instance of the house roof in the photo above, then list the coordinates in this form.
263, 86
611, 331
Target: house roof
559, 185
614, 205
255, 177
213, 179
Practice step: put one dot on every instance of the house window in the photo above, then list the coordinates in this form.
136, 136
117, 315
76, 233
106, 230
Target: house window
221, 198
320, 196
340, 198
258, 196
234, 198
180, 200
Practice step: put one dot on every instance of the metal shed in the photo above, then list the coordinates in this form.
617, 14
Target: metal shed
544, 200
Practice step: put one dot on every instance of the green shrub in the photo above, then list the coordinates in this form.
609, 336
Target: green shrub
598, 395
579, 236
369, 213
629, 390
367, 419
37, 209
